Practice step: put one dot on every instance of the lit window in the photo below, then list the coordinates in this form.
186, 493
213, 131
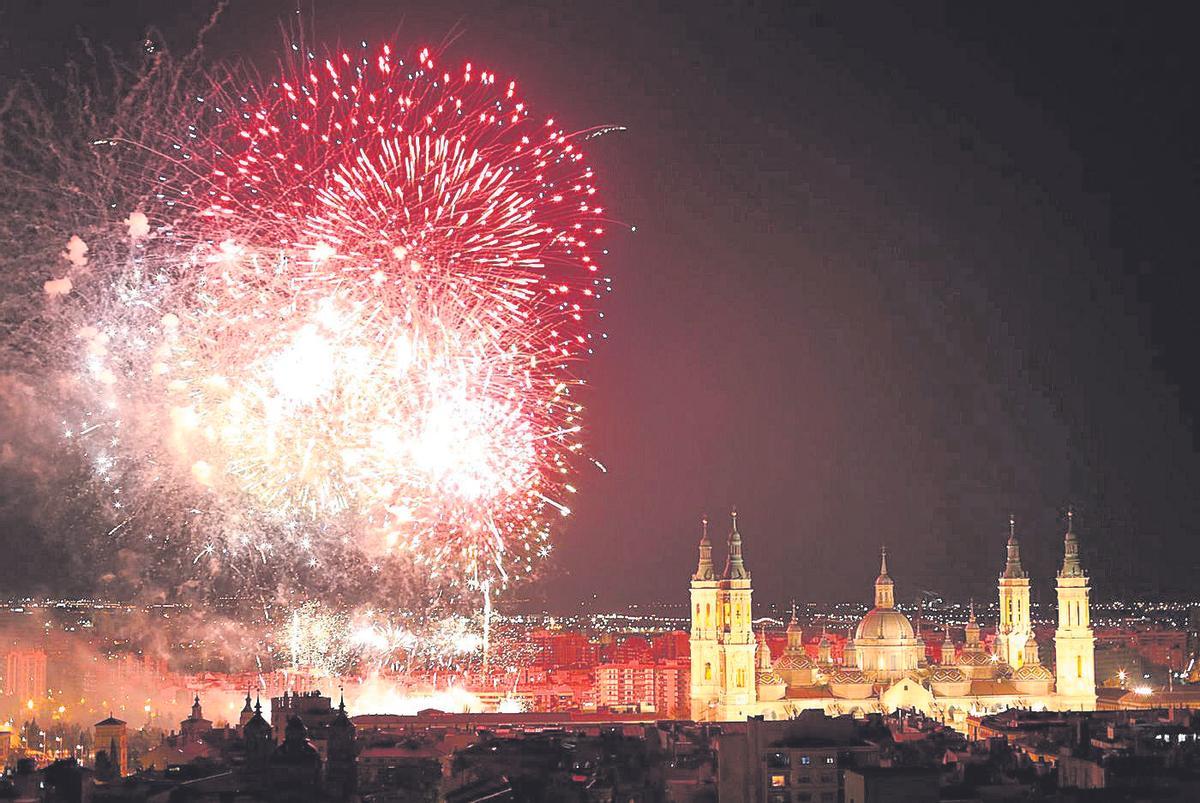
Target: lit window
805, 760
778, 780
708, 671
828, 759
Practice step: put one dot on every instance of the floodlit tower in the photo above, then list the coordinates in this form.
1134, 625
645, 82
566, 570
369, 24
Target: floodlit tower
1074, 644
734, 632
1015, 628
705, 651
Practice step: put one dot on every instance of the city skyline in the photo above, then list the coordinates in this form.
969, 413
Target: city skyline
717, 401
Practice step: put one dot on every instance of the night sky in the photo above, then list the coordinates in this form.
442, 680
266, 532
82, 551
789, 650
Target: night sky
895, 276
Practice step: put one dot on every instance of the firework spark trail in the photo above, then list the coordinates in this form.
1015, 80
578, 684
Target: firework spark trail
333, 350
381, 278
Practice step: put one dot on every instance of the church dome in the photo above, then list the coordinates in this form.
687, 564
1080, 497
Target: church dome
850, 683
1033, 679
946, 674
974, 658
884, 624
770, 685
979, 665
1032, 672
948, 681
848, 674
792, 661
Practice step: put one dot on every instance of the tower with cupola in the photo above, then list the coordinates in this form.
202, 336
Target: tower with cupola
735, 632
1014, 629
1074, 643
705, 648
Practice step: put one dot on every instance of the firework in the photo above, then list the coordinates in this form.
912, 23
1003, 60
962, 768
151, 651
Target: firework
355, 314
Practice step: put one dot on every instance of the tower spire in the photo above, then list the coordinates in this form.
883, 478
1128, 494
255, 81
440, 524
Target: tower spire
1012, 565
735, 569
704, 569
1071, 566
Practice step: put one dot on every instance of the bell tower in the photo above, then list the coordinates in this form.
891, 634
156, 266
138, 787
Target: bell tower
706, 657
1015, 628
735, 632
1074, 644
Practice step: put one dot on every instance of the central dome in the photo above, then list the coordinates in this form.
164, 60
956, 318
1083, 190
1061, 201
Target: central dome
884, 624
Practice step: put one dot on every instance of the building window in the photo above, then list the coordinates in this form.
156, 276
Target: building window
806, 760
708, 671
778, 780
741, 678
779, 761
1078, 666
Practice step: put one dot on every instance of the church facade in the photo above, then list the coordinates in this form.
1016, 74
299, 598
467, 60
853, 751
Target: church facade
734, 675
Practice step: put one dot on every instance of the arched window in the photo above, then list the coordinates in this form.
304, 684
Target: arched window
707, 671
708, 614
1078, 666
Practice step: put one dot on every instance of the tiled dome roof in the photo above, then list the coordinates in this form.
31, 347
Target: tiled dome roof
848, 676
1033, 672
974, 658
946, 674
793, 661
769, 678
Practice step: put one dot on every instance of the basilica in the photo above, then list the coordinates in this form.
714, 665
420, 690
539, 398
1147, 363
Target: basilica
884, 668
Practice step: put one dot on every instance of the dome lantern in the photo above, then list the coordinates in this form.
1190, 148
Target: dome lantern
884, 587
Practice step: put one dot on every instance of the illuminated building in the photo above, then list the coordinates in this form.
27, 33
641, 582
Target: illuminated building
886, 647
722, 643
1015, 628
25, 675
1074, 644
112, 737
659, 686
884, 667
563, 648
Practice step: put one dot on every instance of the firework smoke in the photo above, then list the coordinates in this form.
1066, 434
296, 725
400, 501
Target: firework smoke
319, 337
